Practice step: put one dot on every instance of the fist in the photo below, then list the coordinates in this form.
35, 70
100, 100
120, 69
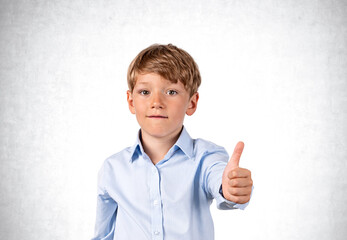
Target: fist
237, 182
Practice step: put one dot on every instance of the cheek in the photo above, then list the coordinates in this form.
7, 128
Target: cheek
180, 110
138, 105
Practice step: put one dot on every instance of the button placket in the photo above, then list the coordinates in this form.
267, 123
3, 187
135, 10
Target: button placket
156, 209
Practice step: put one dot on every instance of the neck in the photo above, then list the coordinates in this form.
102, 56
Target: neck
156, 148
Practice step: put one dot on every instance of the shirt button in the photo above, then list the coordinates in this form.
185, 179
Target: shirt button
154, 170
155, 202
156, 233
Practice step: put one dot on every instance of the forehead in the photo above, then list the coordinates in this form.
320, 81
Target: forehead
154, 79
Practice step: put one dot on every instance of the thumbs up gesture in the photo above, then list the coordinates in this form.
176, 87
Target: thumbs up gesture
237, 182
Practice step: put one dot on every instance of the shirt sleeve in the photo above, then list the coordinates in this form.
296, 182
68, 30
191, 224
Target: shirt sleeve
106, 211
215, 163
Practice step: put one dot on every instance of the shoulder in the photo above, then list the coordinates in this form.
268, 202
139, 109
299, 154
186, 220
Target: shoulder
120, 158
207, 147
209, 152
113, 165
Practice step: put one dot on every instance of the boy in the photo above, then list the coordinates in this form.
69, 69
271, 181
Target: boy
162, 187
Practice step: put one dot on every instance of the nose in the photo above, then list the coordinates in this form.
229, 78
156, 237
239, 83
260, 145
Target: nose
157, 100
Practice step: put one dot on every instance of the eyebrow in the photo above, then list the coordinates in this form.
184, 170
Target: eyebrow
146, 82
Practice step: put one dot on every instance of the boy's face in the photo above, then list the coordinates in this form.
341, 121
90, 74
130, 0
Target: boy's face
160, 105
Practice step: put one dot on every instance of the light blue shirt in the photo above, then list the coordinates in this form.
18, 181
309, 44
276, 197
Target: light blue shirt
170, 200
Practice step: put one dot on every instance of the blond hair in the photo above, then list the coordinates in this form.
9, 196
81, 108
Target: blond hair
168, 61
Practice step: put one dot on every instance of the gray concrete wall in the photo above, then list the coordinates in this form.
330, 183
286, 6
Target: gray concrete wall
274, 75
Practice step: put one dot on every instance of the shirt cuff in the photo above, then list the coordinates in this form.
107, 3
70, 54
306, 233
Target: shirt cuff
225, 204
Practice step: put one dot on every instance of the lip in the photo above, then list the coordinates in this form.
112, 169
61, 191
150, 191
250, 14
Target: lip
157, 116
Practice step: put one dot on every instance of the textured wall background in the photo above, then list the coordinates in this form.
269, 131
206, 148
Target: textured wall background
274, 75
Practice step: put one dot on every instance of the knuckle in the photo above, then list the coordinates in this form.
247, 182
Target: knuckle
232, 198
233, 191
230, 182
233, 174
228, 196
235, 182
243, 200
236, 199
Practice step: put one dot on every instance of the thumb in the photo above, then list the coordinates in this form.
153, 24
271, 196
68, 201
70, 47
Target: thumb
235, 158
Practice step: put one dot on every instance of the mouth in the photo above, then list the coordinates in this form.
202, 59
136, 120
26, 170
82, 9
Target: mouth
157, 117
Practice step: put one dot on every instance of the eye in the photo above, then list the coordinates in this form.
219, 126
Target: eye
171, 92
144, 92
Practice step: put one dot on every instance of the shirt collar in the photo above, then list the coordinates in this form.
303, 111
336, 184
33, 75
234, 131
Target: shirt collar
184, 142
137, 148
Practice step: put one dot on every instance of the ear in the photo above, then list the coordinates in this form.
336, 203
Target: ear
193, 104
130, 102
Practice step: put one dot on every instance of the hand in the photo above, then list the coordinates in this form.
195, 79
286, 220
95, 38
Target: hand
237, 182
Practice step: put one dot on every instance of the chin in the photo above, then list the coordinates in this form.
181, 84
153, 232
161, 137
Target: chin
159, 132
